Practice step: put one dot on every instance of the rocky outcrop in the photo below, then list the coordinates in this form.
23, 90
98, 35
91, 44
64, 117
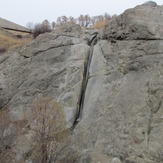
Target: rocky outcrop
52, 65
143, 22
123, 106
122, 114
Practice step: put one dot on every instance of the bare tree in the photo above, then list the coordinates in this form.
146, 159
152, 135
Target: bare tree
72, 20
100, 21
30, 25
113, 16
41, 28
53, 24
59, 21
87, 20
81, 20
64, 19
46, 25
99, 24
107, 17
93, 20
100, 18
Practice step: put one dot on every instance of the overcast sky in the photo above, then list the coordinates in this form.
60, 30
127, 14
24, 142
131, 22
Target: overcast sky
24, 11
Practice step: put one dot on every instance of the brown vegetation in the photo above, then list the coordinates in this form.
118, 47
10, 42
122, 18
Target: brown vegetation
10, 41
8, 133
86, 21
50, 142
99, 24
6, 140
41, 28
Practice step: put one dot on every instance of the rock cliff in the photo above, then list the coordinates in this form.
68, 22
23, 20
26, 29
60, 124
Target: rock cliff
122, 109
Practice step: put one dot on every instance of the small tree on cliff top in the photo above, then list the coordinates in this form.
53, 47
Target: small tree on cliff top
41, 28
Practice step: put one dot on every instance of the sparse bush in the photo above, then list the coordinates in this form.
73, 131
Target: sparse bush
2, 50
10, 41
50, 142
100, 24
30, 25
9, 131
41, 28
19, 36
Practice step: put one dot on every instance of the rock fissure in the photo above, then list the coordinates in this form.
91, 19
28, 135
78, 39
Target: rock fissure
84, 82
150, 104
53, 47
4, 59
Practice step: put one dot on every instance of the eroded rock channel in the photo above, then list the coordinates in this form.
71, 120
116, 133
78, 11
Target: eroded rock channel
85, 81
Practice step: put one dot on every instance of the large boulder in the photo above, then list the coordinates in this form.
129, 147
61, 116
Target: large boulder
122, 115
142, 22
52, 64
123, 108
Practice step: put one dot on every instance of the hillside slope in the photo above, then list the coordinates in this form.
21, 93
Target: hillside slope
13, 26
12, 40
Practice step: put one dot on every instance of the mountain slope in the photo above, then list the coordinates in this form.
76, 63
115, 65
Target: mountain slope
13, 26
10, 41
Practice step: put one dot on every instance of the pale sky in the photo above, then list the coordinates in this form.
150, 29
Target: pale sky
24, 11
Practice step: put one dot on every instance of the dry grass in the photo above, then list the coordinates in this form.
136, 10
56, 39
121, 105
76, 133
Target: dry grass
100, 24
10, 41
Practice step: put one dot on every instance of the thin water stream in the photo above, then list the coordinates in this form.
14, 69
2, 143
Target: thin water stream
85, 81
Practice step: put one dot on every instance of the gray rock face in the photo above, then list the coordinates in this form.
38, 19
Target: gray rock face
123, 103
142, 22
123, 106
122, 116
52, 65
115, 160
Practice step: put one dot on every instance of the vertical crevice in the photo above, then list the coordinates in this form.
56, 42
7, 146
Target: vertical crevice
150, 104
84, 82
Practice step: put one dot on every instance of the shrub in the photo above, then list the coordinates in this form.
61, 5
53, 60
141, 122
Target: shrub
19, 36
9, 131
11, 41
50, 141
100, 24
41, 28
2, 50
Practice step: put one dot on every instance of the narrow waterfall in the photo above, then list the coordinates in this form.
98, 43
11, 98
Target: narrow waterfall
84, 83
